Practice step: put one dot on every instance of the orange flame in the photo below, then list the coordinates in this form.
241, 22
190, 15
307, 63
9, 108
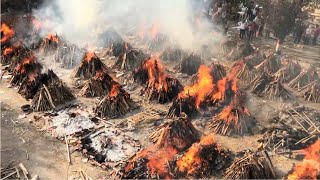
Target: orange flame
53, 37
7, 32
156, 74
89, 55
114, 90
27, 60
231, 114
200, 89
191, 160
309, 168
8, 51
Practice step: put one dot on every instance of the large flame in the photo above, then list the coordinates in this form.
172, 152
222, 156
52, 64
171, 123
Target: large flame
7, 32
231, 114
8, 51
156, 74
309, 168
200, 89
89, 55
191, 160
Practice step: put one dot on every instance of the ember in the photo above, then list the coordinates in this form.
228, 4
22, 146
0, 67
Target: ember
160, 87
178, 133
116, 104
89, 66
202, 159
309, 168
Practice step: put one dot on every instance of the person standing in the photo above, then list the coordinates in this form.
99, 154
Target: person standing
299, 29
307, 35
242, 26
316, 34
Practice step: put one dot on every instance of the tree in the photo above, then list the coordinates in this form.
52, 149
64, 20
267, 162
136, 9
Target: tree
280, 16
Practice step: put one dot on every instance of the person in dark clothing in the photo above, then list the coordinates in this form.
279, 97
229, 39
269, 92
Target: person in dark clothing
299, 29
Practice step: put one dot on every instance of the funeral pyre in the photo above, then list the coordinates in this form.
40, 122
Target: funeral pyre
68, 55
130, 60
202, 159
117, 103
309, 168
89, 66
190, 64
251, 166
159, 86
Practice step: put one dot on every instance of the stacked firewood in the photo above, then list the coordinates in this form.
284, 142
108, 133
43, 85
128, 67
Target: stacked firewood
289, 71
120, 48
311, 92
190, 64
202, 159
305, 77
234, 119
116, 104
99, 85
50, 43
270, 65
247, 72
185, 105
89, 66
240, 51
130, 60
256, 58
178, 133
173, 54
284, 138
68, 55
251, 166
28, 67
270, 87
158, 42
110, 37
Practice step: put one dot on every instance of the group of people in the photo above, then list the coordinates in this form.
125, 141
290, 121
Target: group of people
309, 34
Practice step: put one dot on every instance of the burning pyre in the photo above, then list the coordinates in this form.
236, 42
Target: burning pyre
115, 104
305, 77
309, 168
234, 119
190, 64
6, 34
13, 54
160, 87
51, 94
99, 85
150, 163
68, 55
178, 133
251, 166
89, 66
202, 159
130, 60
28, 68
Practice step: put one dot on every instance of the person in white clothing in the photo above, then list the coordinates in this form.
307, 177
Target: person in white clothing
242, 27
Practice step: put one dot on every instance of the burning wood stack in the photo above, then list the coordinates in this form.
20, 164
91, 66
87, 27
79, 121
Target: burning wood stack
28, 68
99, 85
172, 54
50, 43
218, 71
240, 51
6, 49
311, 92
309, 167
51, 94
234, 119
190, 64
115, 104
12, 55
160, 87
202, 159
68, 55
270, 87
178, 133
130, 60
270, 65
89, 66
251, 166
304, 78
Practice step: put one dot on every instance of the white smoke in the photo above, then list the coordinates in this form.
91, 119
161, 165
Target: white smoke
81, 21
